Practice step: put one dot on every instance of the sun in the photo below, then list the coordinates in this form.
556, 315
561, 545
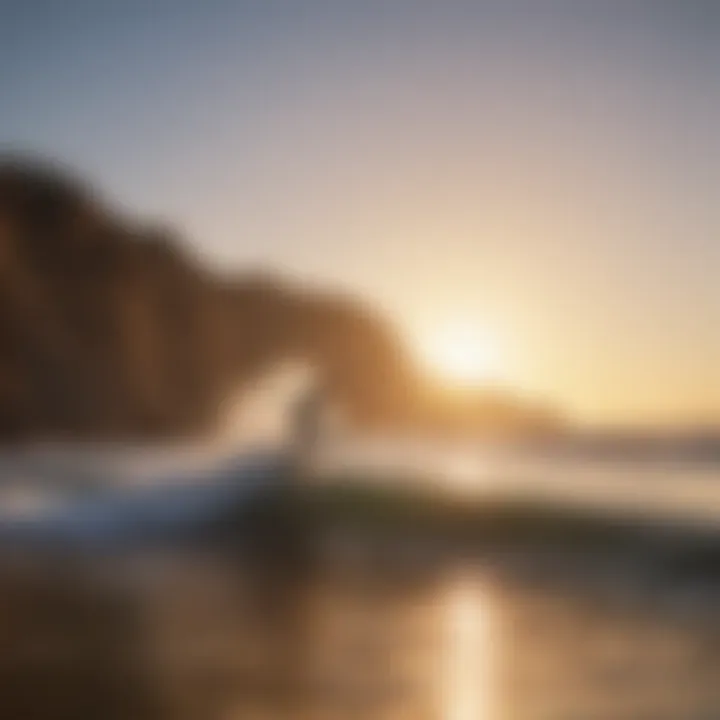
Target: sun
465, 353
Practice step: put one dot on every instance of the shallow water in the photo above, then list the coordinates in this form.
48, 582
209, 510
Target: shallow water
361, 626
356, 627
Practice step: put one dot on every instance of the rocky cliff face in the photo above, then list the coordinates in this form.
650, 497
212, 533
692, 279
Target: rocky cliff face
110, 329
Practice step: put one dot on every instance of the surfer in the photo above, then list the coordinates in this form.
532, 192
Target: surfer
308, 414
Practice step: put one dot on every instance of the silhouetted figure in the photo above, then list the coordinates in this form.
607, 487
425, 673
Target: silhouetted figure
307, 424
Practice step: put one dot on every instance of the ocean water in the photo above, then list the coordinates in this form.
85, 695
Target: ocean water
669, 483
664, 483
356, 624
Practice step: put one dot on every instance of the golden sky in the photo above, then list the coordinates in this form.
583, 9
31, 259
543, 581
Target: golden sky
547, 171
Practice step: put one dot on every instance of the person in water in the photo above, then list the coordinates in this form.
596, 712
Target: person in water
308, 415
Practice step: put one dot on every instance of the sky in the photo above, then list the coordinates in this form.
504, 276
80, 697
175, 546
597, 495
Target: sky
546, 170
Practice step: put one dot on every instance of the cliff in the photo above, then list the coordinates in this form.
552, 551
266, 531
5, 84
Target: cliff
111, 329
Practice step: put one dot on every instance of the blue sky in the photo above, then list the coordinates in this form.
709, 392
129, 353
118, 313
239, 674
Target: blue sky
547, 170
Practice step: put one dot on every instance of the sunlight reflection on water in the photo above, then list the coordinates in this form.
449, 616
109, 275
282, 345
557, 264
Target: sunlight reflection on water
468, 652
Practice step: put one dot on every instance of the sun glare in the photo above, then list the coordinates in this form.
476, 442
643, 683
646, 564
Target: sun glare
466, 354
